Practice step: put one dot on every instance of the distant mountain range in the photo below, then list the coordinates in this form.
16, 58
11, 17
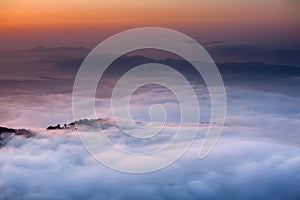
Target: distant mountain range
219, 51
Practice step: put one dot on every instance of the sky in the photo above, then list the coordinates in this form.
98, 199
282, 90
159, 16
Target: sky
25, 24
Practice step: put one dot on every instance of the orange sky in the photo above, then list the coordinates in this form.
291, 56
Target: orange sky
32, 16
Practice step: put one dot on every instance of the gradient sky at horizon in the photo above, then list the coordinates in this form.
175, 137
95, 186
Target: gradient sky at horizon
29, 23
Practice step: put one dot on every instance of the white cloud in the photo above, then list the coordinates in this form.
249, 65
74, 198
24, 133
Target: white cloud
56, 166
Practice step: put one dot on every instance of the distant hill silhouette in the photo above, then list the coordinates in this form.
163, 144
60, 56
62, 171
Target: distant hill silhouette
104, 122
8, 133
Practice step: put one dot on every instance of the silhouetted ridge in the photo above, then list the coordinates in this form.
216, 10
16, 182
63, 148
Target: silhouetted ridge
7, 133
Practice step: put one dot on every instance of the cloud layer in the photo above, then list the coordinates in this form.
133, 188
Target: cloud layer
257, 156
56, 166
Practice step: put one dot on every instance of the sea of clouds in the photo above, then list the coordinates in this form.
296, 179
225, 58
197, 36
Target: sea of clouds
257, 157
